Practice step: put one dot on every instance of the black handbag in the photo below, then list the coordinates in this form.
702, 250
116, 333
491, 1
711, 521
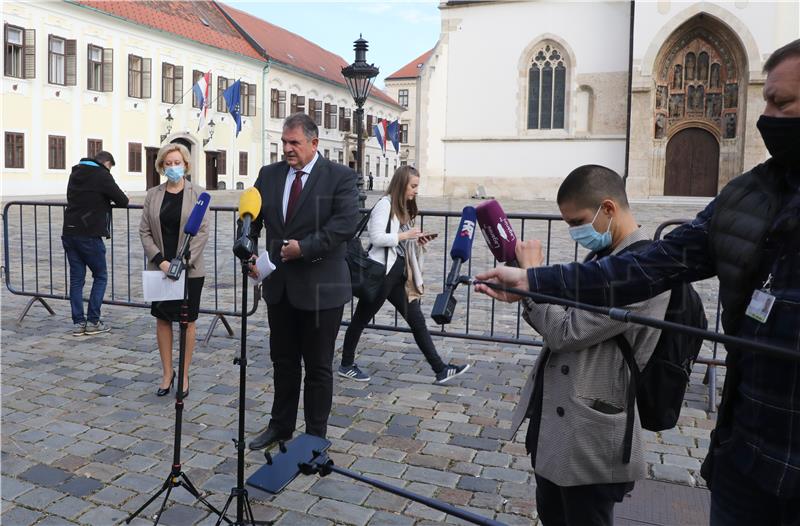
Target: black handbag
367, 276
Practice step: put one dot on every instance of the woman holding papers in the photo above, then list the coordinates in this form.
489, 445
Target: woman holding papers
166, 210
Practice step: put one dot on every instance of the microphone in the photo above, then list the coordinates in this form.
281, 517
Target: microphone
191, 227
445, 303
249, 208
497, 232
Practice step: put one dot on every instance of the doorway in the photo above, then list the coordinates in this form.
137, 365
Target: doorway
692, 167
152, 177
211, 170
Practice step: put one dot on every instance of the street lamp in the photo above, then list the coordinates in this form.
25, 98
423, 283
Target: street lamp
211, 125
169, 120
359, 76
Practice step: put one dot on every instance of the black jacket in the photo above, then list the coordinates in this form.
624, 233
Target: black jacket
90, 191
326, 217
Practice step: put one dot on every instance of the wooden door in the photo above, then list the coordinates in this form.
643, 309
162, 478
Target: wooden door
152, 176
211, 170
692, 164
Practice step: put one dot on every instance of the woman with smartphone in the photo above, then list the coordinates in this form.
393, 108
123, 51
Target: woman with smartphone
397, 244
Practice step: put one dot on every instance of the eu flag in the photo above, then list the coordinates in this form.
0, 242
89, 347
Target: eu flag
233, 99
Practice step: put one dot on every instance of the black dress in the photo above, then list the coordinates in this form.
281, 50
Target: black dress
170, 219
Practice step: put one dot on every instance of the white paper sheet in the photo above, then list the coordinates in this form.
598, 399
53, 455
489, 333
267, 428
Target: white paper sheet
156, 286
264, 267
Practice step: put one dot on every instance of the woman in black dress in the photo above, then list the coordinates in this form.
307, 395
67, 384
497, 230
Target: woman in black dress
166, 210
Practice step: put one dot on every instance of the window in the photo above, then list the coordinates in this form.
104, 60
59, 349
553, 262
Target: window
222, 85
56, 60
20, 56
249, 99
100, 69
340, 156
171, 83
378, 168
242, 163
222, 163
15, 150
315, 111
56, 158
366, 163
403, 133
273, 153
331, 116
278, 106
386, 168
298, 103
368, 130
327, 154
547, 89
139, 74
134, 157
402, 97
93, 147
344, 119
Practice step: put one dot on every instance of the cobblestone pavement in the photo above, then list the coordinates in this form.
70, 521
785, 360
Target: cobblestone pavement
86, 441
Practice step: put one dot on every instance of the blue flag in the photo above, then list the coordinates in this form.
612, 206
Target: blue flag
233, 98
393, 134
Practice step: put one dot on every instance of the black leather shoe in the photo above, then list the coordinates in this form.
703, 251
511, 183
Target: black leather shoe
268, 437
165, 392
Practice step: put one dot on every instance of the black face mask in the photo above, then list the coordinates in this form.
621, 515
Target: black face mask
782, 137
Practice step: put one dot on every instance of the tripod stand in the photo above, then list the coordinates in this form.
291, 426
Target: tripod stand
176, 475
239, 492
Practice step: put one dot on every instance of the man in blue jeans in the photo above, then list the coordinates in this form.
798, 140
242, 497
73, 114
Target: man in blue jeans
90, 192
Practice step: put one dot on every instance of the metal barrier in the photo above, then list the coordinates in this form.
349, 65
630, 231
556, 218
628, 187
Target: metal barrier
31, 268
478, 317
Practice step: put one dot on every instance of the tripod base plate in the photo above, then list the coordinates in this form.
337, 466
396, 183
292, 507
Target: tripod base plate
273, 478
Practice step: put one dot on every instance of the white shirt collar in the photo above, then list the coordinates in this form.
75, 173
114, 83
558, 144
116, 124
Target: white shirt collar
307, 168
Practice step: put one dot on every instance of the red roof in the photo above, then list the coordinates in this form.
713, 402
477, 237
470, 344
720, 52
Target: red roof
291, 49
412, 69
200, 21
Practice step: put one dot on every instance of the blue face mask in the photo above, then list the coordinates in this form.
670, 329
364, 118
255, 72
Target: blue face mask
589, 238
174, 173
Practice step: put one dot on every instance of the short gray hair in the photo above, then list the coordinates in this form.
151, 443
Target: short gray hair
792, 49
301, 120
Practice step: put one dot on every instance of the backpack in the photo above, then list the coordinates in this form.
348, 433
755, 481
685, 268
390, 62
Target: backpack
659, 388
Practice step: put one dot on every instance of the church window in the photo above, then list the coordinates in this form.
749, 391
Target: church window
547, 85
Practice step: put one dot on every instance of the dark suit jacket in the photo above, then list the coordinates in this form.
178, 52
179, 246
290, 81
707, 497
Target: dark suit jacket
325, 219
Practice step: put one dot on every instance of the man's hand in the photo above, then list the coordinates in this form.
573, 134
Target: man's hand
511, 277
252, 271
164, 266
529, 253
290, 250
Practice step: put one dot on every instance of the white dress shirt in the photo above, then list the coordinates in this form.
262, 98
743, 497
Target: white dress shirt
287, 187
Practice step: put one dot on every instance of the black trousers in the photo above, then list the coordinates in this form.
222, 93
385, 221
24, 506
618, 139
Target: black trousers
589, 505
394, 290
311, 336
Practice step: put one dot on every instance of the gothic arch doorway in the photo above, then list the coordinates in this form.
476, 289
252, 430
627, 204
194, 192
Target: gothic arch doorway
692, 167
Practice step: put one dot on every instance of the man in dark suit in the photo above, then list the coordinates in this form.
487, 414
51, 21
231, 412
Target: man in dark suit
310, 210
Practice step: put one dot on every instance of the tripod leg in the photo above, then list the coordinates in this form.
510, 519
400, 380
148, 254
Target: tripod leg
186, 483
224, 509
163, 505
164, 487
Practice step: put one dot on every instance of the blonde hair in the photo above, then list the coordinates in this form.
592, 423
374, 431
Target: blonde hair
168, 149
404, 210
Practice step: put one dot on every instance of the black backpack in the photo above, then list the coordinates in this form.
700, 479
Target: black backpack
659, 388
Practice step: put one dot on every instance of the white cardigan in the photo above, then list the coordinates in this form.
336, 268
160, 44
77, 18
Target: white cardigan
379, 238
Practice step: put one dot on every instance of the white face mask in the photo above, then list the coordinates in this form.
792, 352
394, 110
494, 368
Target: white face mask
589, 238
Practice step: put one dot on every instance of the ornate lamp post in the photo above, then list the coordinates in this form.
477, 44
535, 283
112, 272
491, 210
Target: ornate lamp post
359, 76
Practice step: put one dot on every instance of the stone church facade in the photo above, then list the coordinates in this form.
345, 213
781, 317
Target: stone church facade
517, 94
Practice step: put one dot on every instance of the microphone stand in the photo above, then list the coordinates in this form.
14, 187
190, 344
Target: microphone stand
619, 314
239, 491
177, 477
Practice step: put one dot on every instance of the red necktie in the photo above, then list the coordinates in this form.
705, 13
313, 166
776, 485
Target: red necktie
294, 194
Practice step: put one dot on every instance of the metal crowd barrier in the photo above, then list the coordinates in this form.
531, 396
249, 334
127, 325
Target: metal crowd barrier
32, 268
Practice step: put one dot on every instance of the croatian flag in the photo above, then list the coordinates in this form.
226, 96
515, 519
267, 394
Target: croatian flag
381, 133
201, 91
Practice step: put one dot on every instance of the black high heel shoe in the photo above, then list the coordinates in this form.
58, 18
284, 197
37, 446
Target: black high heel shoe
165, 392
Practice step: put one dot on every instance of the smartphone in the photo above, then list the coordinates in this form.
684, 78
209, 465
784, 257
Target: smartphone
429, 235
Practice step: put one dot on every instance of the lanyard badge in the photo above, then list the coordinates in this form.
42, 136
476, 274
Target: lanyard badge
761, 303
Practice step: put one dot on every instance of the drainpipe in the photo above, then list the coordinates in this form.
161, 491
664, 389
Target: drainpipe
264, 112
630, 96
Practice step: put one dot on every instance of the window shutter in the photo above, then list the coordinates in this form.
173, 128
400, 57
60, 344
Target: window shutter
178, 92
29, 54
146, 77
108, 69
327, 115
251, 102
71, 62
312, 104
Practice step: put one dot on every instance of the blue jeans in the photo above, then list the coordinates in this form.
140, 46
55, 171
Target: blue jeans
82, 252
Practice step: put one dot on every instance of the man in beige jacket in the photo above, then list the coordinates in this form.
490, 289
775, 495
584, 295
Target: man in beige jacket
576, 395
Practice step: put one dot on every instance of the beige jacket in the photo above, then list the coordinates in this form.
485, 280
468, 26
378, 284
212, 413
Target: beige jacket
583, 370
150, 227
